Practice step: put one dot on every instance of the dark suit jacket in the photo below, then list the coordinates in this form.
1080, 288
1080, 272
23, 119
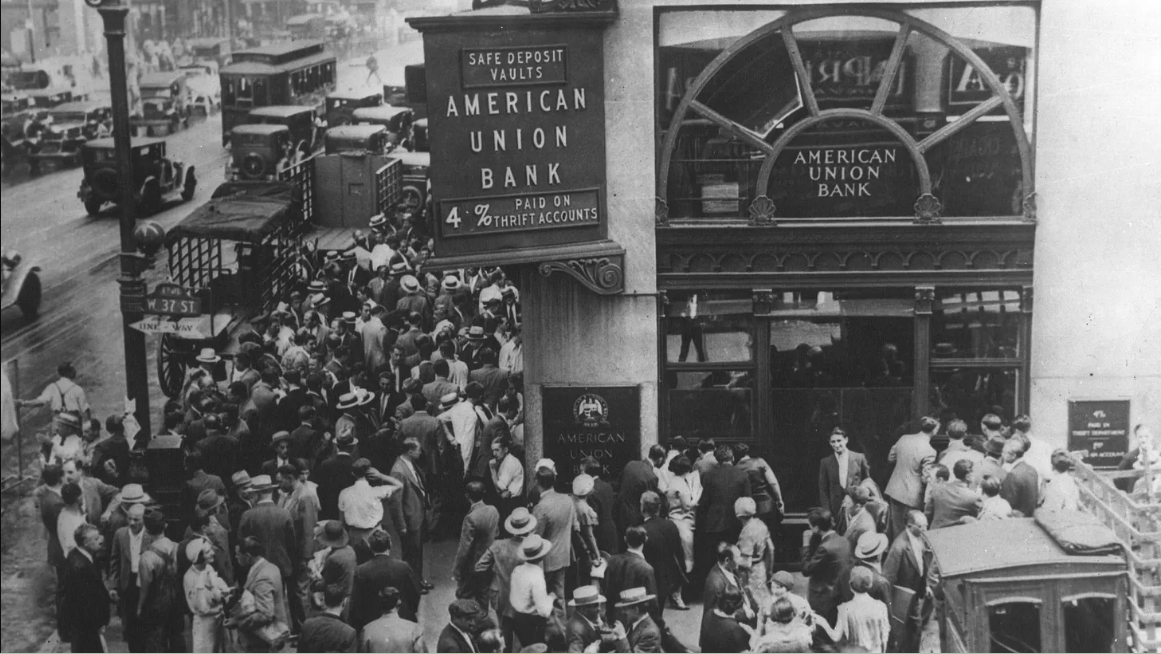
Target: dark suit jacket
828, 566
644, 636
830, 491
1022, 488
720, 634
950, 502
721, 485
480, 527
306, 442
604, 501
636, 478
120, 563
627, 571
902, 569
716, 583
426, 429
332, 476
201, 481
451, 640
273, 526
413, 496
374, 575
327, 633
50, 506
663, 552
84, 600
219, 454
493, 379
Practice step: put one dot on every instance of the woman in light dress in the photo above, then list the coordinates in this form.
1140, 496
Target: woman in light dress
683, 491
205, 593
757, 550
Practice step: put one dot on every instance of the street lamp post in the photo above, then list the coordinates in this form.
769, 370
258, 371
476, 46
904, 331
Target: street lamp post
132, 286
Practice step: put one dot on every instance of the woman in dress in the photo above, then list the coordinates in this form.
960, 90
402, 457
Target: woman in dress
784, 631
205, 593
683, 492
757, 551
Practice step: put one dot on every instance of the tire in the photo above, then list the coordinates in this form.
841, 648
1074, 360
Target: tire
253, 166
191, 185
104, 180
411, 197
29, 298
171, 366
93, 206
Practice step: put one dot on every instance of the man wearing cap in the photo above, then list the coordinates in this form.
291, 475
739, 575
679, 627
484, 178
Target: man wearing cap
480, 526
391, 632
413, 300
458, 635
128, 543
280, 443
913, 457
635, 626
499, 561
272, 526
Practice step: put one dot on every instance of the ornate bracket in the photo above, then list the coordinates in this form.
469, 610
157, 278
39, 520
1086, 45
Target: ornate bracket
928, 209
1029, 208
763, 301
762, 212
546, 6
603, 275
661, 212
924, 299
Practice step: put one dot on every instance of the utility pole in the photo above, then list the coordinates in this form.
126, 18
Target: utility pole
113, 13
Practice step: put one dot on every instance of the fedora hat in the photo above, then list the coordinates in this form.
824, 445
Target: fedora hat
261, 483
348, 255
534, 548
409, 284
279, 436
520, 522
208, 500
332, 256
352, 400
582, 485
316, 286
208, 355
994, 446
586, 596
871, 545
451, 283
134, 494
448, 401
634, 596
241, 479
476, 333
334, 535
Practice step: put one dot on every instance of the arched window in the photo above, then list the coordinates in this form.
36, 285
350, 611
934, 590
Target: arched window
845, 113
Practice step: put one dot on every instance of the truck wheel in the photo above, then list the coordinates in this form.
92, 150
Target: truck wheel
191, 184
29, 298
171, 367
93, 207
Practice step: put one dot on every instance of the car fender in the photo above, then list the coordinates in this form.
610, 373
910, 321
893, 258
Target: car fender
144, 185
16, 282
186, 174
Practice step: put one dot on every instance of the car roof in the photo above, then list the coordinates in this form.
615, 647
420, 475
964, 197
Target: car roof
260, 129
354, 95
381, 112
160, 79
355, 131
81, 105
109, 143
281, 111
412, 158
996, 545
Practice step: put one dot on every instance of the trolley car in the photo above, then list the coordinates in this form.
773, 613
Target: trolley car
288, 73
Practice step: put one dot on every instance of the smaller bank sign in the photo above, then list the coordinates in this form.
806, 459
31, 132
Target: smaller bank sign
1099, 429
517, 133
603, 422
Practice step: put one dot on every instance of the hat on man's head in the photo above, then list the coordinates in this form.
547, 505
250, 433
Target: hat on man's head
334, 534
783, 579
262, 483
208, 500
208, 355
520, 522
451, 283
546, 463
587, 595
348, 255
316, 286
349, 316
995, 445
279, 436
377, 221
448, 401
464, 608
409, 284
398, 268
241, 479
332, 256
871, 545
352, 400
476, 333
134, 494
534, 548
634, 596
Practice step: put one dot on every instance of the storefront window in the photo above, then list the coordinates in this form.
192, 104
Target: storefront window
1089, 624
713, 404
709, 326
845, 112
970, 393
975, 324
1014, 627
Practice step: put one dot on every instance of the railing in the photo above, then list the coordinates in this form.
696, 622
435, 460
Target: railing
301, 175
1136, 519
389, 180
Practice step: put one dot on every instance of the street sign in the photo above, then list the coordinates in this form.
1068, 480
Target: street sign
172, 300
1099, 429
192, 328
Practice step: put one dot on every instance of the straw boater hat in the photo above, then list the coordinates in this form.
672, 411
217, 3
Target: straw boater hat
398, 268
546, 463
871, 545
586, 596
520, 522
409, 284
316, 286
352, 400
634, 596
451, 283
349, 255
534, 548
333, 535
582, 485
349, 316
448, 401
476, 333
134, 494
208, 355
377, 221
262, 483
332, 256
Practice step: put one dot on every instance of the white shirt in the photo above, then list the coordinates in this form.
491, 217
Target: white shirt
512, 357
362, 504
66, 528
843, 461
381, 256
528, 592
64, 395
461, 421
509, 476
135, 549
457, 373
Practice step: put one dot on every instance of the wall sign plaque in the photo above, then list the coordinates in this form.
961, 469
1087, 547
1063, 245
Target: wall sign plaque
1100, 430
599, 421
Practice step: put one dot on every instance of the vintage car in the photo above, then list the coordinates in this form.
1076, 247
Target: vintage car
357, 139
21, 284
397, 120
214, 48
1020, 585
341, 105
260, 152
53, 80
68, 127
154, 175
416, 180
164, 104
205, 87
300, 120
418, 141
307, 26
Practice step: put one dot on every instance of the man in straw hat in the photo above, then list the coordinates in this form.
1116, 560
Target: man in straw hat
634, 624
499, 561
414, 301
528, 593
587, 627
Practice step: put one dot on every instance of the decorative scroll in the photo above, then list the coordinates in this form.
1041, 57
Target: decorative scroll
924, 299
603, 275
763, 301
762, 211
928, 209
661, 212
1029, 207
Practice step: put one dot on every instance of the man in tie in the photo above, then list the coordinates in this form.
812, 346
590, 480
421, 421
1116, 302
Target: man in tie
838, 473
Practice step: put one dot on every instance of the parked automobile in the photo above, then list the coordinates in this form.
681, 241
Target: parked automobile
341, 105
20, 284
397, 120
300, 120
67, 128
416, 179
154, 175
357, 138
214, 48
53, 80
164, 104
260, 152
205, 87
418, 141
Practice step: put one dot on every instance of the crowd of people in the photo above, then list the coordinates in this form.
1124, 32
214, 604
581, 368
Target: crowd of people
380, 409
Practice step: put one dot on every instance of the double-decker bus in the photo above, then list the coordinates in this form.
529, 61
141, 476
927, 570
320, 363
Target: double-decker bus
291, 72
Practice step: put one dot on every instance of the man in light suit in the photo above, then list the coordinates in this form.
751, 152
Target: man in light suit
481, 525
950, 503
839, 473
913, 457
413, 500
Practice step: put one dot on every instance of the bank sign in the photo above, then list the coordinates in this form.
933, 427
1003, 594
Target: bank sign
602, 422
1099, 431
517, 132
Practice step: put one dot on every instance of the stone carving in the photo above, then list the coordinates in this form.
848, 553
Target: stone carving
603, 275
762, 211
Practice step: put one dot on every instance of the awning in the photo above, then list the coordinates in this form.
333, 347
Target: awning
598, 265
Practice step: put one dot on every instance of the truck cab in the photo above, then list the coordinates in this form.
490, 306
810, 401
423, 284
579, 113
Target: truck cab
397, 120
357, 139
341, 105
259, 152
300, 120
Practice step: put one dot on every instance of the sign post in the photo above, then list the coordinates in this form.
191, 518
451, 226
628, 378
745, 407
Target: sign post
1099, 430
